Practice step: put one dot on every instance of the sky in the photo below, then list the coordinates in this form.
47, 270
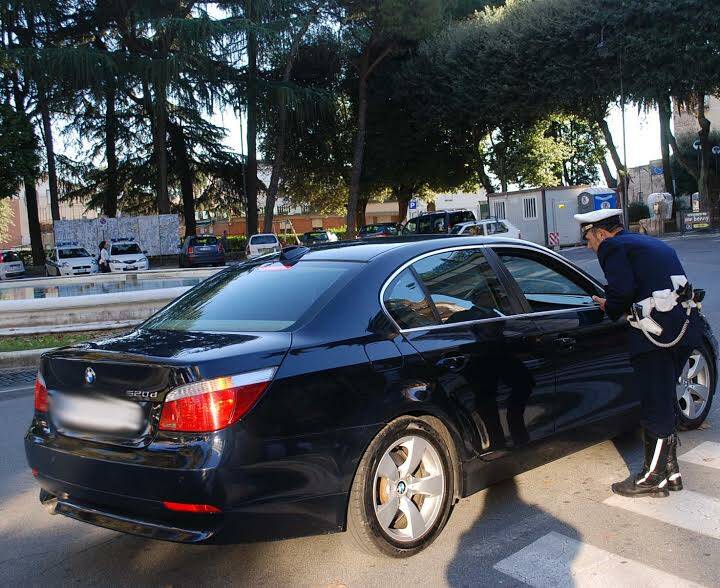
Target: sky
642, 134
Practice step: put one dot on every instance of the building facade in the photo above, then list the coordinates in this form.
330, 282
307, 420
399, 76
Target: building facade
685, 121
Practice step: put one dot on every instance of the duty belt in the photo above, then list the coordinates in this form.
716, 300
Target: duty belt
681, 293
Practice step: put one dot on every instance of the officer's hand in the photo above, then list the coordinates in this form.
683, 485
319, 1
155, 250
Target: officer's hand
600, 301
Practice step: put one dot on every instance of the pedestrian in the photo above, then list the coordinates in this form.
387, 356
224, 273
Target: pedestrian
647, 284
104, 262
224, 240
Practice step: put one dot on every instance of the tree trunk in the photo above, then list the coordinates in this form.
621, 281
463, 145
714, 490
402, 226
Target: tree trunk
705, 153
359, 150
184, 172
252, 166
281, 142
38, 253
664, 113
361, 209
609, 178
484, 177
50, 153
622, 178
112, 188
163, 198
403, 195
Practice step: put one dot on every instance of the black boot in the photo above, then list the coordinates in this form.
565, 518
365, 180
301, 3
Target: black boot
674, 477
652, 480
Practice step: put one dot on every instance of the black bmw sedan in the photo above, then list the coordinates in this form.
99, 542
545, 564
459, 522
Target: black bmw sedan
360, 386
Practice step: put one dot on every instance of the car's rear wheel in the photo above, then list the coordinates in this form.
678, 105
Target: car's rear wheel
696, 388
403, 490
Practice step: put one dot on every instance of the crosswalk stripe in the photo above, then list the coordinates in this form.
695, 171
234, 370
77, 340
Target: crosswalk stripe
687, 509
705, 454
556, 560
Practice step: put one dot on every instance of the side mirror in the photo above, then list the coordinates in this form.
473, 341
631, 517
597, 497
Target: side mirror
145, 251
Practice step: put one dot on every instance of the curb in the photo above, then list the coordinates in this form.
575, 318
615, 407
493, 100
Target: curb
21, 359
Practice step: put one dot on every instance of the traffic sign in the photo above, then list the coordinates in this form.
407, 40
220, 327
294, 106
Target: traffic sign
554, 240
716, 150
413, 204
696, 145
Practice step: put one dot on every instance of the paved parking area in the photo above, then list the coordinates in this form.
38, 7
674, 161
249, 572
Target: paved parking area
557, 525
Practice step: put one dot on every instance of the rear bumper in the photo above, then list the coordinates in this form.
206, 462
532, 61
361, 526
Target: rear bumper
205, 259
264, 489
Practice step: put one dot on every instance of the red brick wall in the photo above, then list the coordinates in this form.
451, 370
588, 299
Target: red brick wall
301, 224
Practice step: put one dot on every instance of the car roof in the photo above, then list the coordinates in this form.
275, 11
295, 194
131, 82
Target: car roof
264, 235
367, 250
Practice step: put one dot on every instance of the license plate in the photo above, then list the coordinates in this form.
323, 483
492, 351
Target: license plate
130, 269
96, 414
82, 271
264, 250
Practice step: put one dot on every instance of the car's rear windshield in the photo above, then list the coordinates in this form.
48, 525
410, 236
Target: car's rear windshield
255, 298
456, 229
263, 240
71, 252
9, 256
125, 248
322, 236
204, 240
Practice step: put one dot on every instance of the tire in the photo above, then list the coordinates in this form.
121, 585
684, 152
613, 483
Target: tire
395, 537
698, 379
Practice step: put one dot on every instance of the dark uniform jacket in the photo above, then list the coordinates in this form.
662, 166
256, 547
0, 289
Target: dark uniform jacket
635, 266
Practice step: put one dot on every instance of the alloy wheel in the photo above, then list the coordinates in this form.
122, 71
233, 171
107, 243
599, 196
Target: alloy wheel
693, 387
409, 489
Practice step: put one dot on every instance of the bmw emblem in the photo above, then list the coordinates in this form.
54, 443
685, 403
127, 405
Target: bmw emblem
90, 375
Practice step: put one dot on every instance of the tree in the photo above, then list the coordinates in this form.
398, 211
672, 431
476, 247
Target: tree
18, 151
376, 29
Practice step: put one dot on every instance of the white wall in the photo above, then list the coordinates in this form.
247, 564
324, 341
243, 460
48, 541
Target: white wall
531, 228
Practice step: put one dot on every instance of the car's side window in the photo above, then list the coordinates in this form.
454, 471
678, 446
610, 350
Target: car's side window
406, 302
501, 228
463, 286
410, 227
546, 283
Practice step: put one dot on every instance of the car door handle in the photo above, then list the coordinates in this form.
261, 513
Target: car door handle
565, 343
451, 363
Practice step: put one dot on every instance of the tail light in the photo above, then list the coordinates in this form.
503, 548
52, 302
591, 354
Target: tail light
2, 257
213, 404
220, 248
41, 394
190, 250
186, 507
247, 250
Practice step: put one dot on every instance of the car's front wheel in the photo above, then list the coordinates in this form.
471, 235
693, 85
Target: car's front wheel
696, 388
403, 490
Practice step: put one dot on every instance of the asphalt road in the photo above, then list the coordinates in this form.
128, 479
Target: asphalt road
555, 525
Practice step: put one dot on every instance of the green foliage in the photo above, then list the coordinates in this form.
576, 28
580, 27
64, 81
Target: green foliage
684, 182
6, 219
637, 211
19, 156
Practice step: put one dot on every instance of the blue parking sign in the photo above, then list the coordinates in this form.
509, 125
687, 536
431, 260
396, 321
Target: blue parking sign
413, 204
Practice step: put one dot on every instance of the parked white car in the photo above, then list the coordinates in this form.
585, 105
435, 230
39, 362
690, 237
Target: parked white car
262, 244
68, 258
488, 226
11, 266
126, 255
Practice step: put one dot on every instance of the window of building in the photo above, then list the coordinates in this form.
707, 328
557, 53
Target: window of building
529, 208
499, 209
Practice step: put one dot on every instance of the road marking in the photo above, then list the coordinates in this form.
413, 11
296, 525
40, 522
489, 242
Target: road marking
705, 454
556, 560
687, 509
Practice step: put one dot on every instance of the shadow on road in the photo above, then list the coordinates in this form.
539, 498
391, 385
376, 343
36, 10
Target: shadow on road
492, 539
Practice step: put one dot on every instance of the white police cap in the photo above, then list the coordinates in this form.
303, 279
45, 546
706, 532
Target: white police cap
603, 218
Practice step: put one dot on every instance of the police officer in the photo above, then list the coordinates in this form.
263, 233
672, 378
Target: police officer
647, 284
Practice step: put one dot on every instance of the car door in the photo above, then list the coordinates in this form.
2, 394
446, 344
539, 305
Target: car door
590, 351
452, 308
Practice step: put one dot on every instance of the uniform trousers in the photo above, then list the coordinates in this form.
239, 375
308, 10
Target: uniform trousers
656, 378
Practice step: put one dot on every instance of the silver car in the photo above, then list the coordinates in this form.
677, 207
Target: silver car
11, 266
